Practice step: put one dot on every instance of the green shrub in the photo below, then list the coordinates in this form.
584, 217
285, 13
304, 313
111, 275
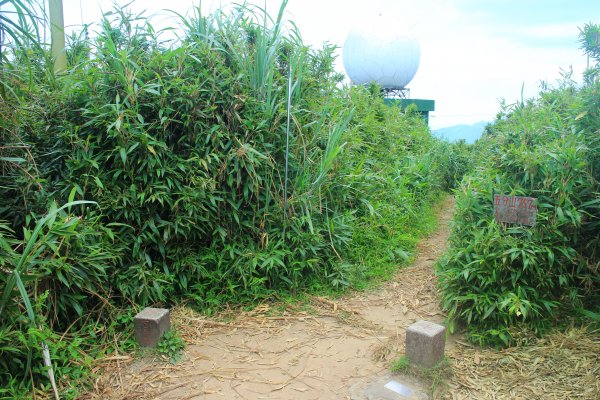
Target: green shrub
497, 276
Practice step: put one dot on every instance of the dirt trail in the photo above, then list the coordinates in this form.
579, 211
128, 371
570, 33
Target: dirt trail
330, 351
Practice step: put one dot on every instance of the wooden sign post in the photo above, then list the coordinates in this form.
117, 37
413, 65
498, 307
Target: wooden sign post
515, 209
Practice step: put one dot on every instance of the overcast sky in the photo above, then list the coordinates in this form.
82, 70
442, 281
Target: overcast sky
473, 52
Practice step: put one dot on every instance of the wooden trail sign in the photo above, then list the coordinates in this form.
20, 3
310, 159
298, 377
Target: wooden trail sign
515, 209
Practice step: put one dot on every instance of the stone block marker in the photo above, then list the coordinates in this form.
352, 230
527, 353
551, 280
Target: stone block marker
150, 324
425, 342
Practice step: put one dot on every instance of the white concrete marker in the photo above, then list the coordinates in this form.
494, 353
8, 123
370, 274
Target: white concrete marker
398, 388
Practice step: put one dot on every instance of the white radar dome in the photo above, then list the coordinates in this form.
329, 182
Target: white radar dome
380, 51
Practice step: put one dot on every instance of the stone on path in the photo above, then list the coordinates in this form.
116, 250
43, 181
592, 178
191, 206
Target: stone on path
150, 324
389, 387
425, 342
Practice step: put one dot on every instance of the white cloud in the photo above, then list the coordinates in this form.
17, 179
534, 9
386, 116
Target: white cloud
469, 60
552, 31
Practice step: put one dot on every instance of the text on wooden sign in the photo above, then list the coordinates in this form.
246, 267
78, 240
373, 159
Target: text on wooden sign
515, 209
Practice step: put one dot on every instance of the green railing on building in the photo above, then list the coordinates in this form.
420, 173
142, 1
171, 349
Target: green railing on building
424, 107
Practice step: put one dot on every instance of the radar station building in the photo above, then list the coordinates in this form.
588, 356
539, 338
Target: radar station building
379, 52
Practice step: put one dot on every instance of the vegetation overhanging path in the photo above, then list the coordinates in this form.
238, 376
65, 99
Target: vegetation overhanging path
328, 349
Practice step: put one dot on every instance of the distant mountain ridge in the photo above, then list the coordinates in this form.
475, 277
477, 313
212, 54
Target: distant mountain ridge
470, 133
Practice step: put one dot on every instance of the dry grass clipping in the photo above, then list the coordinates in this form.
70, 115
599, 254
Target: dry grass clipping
562, 365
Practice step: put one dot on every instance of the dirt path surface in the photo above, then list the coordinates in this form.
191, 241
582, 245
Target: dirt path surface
338, 349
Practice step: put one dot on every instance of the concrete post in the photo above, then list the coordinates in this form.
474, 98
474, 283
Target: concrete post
425, 343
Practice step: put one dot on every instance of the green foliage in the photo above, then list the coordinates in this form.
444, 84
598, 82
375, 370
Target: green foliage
395, 172
589, 38
181, 146
52, 275
457, 160
400, 365
171, 346
20, 350
497, 277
